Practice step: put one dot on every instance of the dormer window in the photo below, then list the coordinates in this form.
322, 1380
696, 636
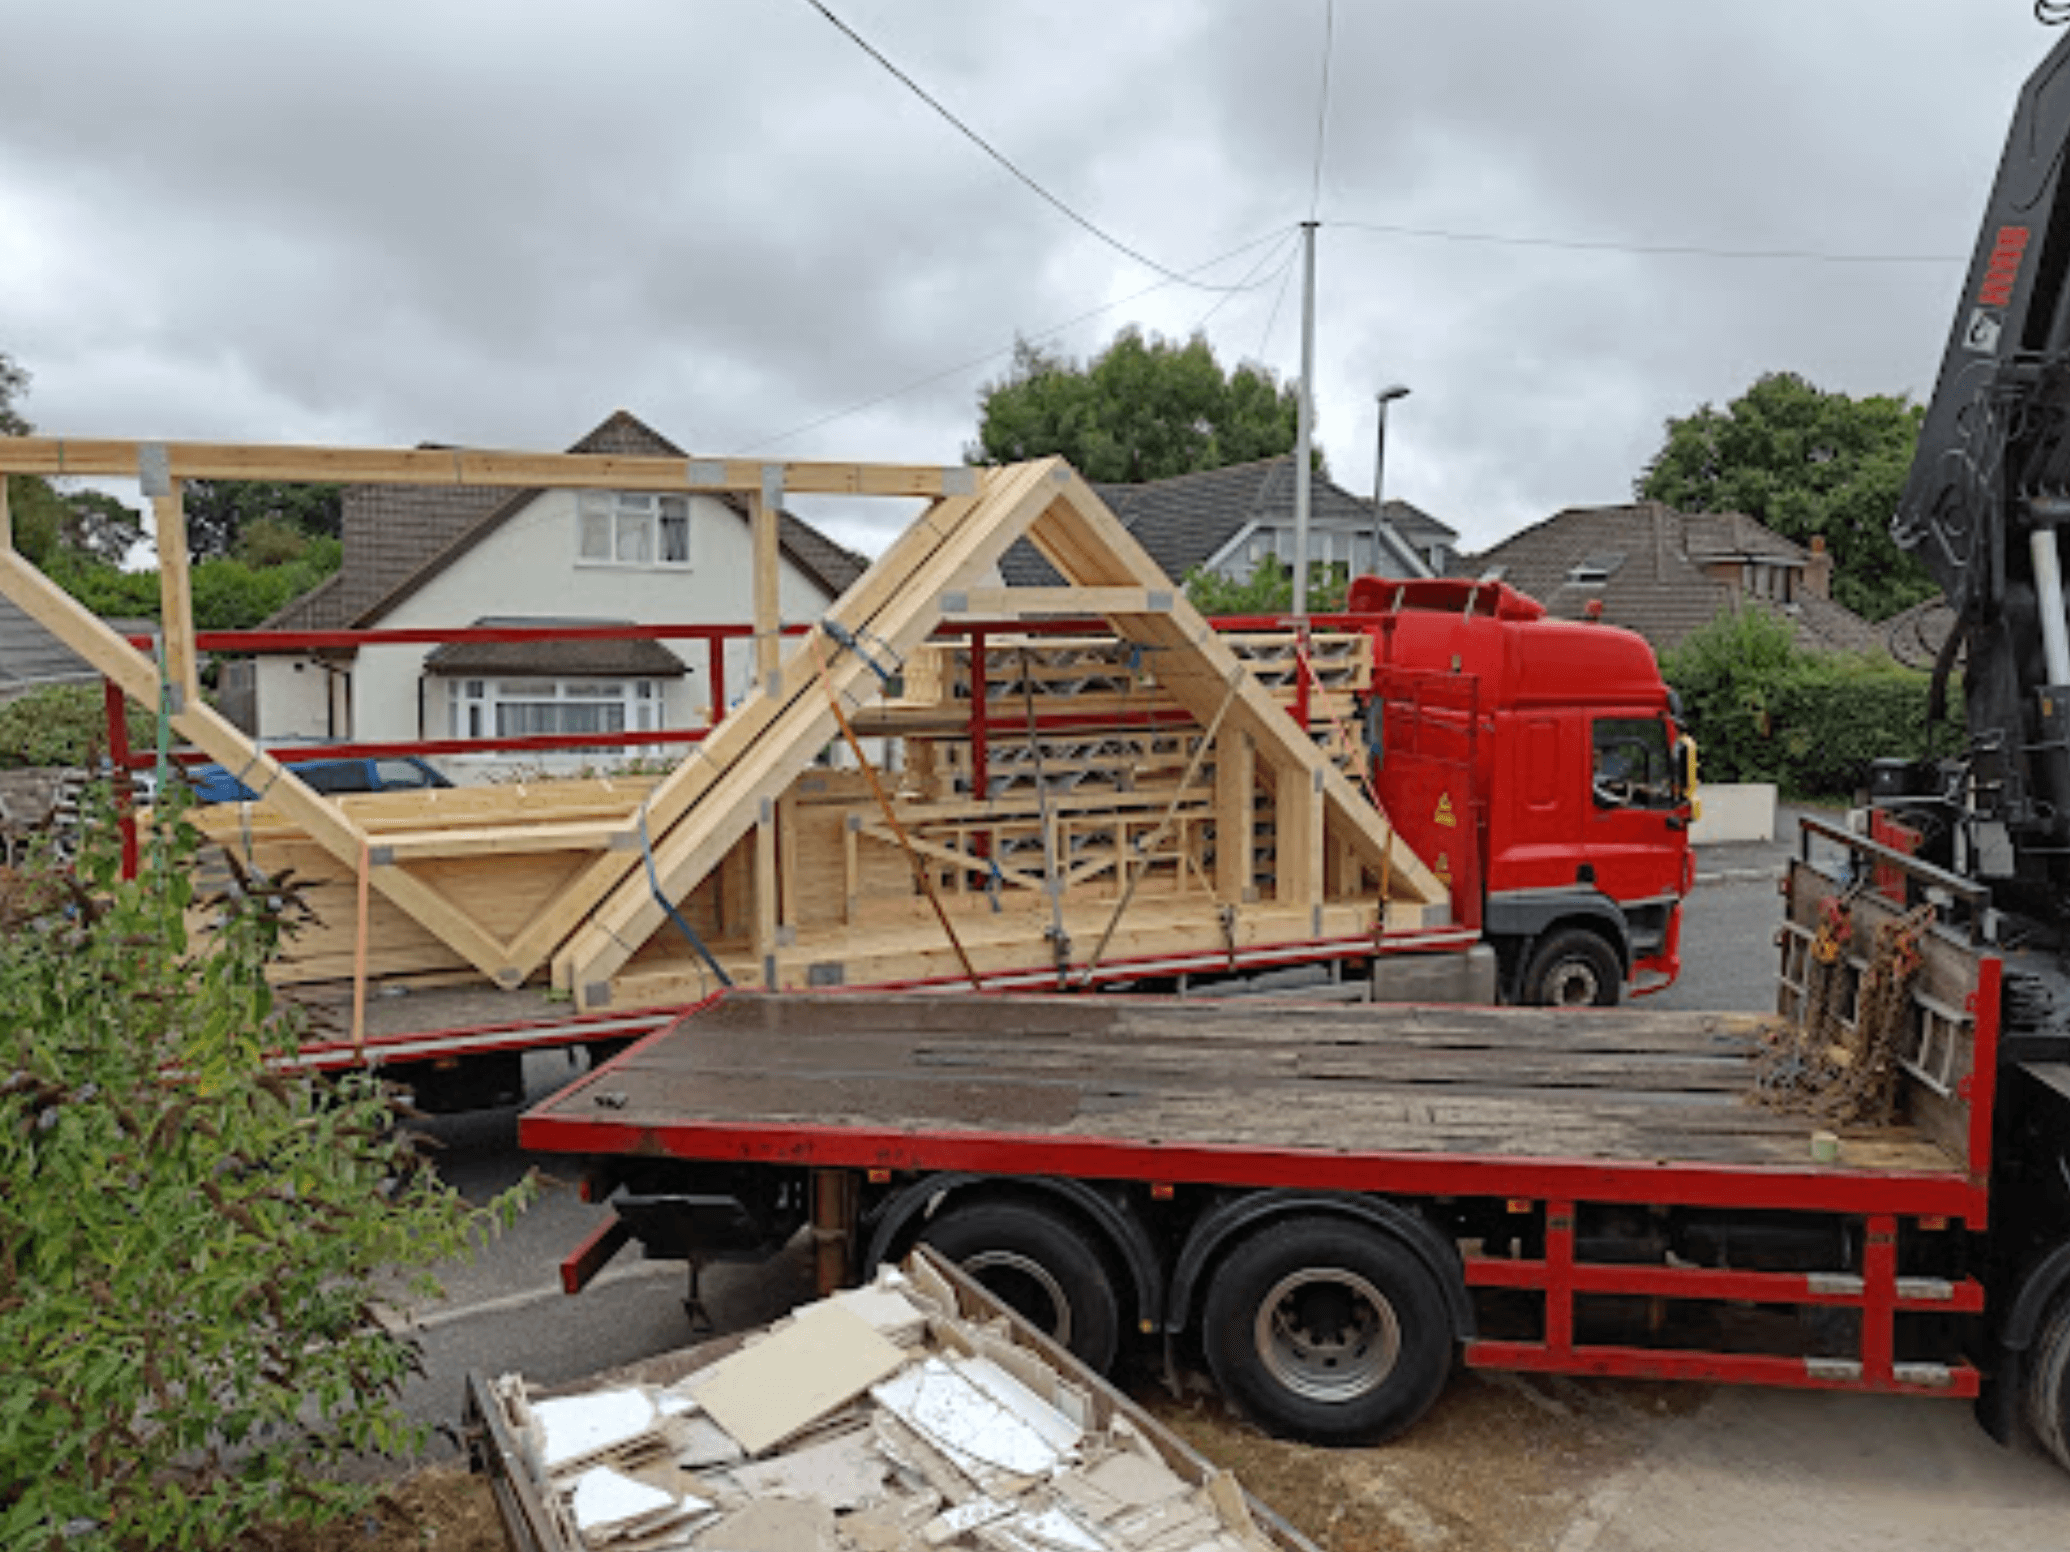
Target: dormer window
1592, 570
620, 528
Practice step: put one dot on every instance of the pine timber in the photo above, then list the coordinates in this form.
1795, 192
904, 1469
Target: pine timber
579, 912
794, 735
1095, 550
57, 457
176, 595
790, 871
65, 618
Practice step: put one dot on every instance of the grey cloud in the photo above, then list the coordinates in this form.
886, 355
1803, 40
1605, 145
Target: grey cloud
495, 222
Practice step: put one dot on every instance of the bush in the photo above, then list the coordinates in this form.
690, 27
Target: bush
65, 724
192, 1241
1726, 674
1269, 589
1761, 709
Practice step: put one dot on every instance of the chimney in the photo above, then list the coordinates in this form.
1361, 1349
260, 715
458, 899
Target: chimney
1818, 570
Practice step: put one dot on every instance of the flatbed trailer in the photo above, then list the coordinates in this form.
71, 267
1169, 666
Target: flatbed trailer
1330, 1201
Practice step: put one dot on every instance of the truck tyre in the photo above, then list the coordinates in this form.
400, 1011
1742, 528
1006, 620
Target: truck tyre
1573, 968
1324, 1330
1044, 1265
2048, 1384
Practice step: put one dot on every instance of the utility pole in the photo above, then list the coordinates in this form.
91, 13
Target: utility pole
1386, 396
1305, 435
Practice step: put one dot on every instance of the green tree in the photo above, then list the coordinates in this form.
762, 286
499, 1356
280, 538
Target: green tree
219, 511
193, 1238
14, 385
32, 506
1268, 590
1727, 674
1807, 463
48, 523
1140, 410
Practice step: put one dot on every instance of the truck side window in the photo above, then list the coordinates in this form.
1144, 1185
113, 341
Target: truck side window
1631, 763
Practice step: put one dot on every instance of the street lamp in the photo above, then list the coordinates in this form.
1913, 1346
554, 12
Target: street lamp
1385, 396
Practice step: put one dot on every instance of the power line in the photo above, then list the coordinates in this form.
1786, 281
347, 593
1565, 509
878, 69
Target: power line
1247, 283
1322, 108
1670, 250
1051, 332
984, 145
1286, 273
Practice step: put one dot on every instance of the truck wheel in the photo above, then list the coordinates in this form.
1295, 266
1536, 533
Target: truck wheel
1573, 968
2048, 1384
1043, 1265
1326, 1331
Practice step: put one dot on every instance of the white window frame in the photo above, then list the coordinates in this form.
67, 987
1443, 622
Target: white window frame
474, 705
630, 530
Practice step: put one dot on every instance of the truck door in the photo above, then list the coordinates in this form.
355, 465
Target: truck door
1637, 824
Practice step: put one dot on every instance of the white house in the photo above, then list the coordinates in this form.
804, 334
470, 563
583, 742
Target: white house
1227, 520
450, 556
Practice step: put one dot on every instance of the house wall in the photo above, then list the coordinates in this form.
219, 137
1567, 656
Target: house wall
1329, 540
294, 696
531, 567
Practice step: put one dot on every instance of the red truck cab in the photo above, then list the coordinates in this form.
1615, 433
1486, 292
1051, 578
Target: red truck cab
1536, 764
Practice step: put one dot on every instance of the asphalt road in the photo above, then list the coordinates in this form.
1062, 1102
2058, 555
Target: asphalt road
1727, 1471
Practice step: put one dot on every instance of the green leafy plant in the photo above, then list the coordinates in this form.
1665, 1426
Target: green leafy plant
1268, 590
63, 724
1810, 464
194, 1237
1762, 709
1139, 410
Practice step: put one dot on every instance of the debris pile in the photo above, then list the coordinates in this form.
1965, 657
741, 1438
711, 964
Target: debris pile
877, 1420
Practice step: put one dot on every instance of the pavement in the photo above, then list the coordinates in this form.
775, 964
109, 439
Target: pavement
1724, 862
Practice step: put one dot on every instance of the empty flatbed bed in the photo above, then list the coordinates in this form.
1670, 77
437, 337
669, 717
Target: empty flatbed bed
1245, 1092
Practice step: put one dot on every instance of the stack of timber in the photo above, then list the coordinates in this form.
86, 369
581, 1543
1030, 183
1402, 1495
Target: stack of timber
755, 860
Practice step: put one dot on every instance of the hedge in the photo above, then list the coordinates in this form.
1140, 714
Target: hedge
1761, 709
64, 725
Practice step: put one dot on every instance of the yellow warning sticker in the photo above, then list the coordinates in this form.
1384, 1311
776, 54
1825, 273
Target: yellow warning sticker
1444, 814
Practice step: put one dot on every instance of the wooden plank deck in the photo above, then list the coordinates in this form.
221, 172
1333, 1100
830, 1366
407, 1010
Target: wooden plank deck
1625, 1086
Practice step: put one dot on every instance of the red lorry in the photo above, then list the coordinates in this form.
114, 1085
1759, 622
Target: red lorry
1535, 764
1331, 1205
1532, 762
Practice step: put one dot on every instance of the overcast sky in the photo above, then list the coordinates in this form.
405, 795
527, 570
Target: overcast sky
495, 222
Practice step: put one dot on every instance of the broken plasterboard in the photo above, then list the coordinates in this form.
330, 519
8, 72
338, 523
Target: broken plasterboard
575, 1429
765, 1393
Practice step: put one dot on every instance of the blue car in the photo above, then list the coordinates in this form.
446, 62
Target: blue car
213, 784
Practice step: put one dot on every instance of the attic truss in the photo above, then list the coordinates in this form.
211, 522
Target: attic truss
589, 893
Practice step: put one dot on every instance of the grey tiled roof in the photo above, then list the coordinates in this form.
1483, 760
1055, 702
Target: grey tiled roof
30, 656
1733, 536
1184, 520
1416, 525
398, 537
1658, 587
638, 659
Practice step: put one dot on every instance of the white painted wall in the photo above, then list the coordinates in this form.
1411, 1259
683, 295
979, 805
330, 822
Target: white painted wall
1734, 811
531, 566
291, 698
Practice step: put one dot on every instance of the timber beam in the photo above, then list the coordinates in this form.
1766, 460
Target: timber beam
56, 457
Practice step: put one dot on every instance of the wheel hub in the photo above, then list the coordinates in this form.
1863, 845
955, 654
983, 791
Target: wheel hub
1572, 985
1327, 1333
